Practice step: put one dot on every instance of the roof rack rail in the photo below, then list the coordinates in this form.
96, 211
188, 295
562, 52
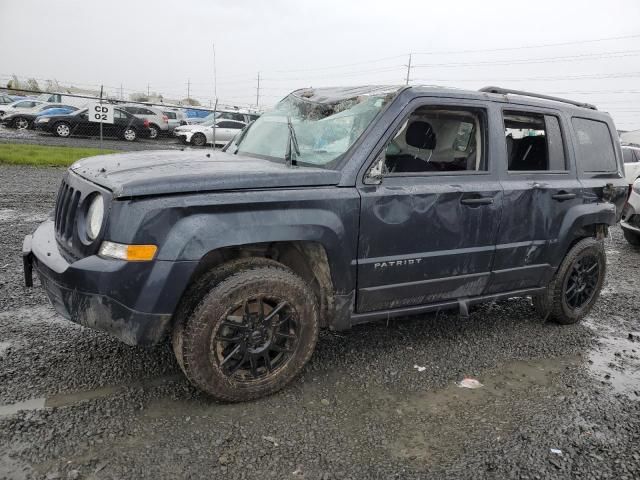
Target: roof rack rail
505, 91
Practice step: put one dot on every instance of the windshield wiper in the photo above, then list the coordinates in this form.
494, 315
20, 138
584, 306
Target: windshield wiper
292, 145
241, 136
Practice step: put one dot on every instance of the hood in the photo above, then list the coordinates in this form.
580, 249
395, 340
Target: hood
171, 171
192, 128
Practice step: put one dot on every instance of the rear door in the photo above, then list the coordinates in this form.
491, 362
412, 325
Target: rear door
430, 208
540, 187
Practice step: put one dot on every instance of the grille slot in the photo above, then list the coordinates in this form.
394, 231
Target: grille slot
65, 213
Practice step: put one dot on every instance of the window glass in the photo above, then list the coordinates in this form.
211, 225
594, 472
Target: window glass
119, 114
628, 156
171, 115
230, 124
534, 142
144, 111
435, 140
595, 152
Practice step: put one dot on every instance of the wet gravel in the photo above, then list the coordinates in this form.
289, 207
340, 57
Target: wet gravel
103, 410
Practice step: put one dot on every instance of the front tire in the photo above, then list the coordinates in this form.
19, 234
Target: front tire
62, 129
631, 237
250, 334
130, 134
576, 286
198, 140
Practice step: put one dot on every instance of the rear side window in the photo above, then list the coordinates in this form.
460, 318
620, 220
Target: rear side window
534, 142
595, 146
171, 115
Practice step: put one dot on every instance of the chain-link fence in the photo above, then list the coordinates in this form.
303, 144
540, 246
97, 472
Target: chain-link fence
60, 115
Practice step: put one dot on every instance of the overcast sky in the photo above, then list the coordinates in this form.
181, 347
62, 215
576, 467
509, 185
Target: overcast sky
161, 45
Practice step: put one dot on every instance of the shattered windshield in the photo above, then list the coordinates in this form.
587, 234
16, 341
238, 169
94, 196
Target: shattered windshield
323, 131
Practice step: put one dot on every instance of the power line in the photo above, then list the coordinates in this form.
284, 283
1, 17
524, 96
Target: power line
524, 47
566, 58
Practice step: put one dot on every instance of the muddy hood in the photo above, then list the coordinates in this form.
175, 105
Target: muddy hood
171, 171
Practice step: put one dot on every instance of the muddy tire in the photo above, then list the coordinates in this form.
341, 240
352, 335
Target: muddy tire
576, 286
253, 329
631, 237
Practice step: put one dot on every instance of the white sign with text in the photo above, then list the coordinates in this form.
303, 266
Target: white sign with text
100, 113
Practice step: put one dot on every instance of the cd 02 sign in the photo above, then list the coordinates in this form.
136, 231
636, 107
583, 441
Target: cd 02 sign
100, 112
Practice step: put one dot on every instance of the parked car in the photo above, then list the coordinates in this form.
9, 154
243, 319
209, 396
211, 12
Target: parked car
6, 99
630, 222
19, 106
125, 125
63, 98
158, 121
631, 156
229, 115
24, 118
200, 135
175, 118
338, 207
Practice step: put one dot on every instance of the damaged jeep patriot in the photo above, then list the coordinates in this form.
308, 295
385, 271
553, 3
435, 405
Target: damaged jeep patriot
338, 207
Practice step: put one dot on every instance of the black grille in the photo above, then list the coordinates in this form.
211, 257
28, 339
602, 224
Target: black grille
65, 213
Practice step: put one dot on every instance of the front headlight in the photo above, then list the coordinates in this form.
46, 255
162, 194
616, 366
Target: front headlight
636, 186
95, 215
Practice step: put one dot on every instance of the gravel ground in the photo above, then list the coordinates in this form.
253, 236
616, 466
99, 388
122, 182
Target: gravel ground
95, 408
31, 137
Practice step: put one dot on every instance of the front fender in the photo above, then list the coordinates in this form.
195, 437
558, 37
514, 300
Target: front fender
188, 228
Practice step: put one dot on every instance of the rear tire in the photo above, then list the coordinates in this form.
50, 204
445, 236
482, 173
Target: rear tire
631, 237
21, 123
198, 140
231, 345
576, 286
154, 131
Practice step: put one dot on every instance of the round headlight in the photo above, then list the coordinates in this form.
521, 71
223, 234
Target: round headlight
95, 214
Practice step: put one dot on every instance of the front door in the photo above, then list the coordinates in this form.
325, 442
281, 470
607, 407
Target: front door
430, 209
540, 187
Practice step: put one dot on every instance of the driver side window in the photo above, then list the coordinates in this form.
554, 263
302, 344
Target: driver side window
435, 140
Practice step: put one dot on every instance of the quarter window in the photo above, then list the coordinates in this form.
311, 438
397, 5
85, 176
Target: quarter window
534, 142
595, 146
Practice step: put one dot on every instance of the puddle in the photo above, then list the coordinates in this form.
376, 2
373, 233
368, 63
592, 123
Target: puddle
72, 398
11, 215
31, 404
616, 362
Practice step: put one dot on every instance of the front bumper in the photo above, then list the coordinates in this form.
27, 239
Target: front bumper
94, 291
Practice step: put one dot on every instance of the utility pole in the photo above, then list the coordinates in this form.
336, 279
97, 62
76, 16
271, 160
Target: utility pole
408, 70
148, 90
188, 88
121, 93
258, 92
215, 78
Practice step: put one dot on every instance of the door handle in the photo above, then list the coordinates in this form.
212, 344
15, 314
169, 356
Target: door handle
563, 196
477, 201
